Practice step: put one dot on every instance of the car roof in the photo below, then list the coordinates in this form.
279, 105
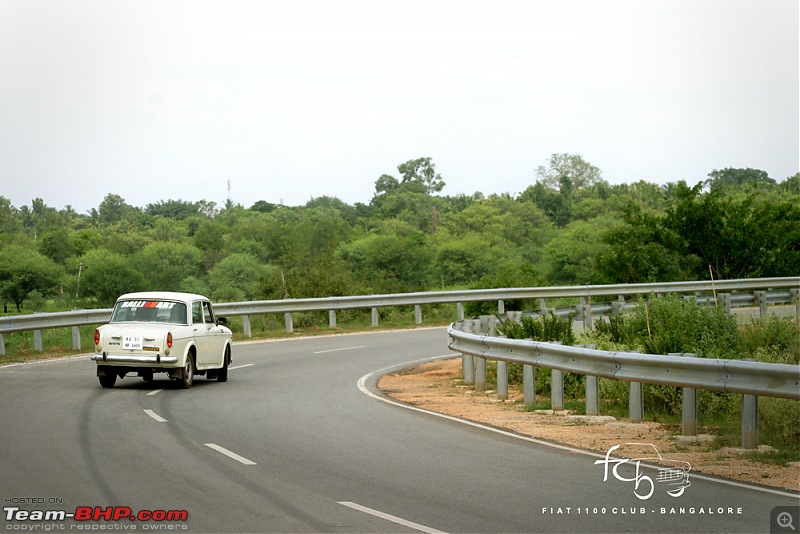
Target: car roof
162, 295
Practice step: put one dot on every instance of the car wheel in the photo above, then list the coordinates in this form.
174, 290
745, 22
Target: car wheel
108, 380
222, 374
187, 377
147, 376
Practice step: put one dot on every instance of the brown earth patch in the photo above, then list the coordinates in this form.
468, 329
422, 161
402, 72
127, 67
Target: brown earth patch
438, 386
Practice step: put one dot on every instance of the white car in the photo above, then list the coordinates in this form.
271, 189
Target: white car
162, 332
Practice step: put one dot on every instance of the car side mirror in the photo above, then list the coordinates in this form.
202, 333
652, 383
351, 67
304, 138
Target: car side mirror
222, 320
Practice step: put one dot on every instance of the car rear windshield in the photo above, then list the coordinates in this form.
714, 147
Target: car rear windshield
149, 311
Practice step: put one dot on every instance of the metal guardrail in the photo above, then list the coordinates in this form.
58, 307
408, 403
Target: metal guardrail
790, 287
733, 376
749, 378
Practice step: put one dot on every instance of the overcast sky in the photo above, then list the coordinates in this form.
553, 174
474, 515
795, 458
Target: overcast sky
298, 99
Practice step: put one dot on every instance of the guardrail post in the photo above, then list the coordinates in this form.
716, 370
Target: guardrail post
749, 419
726, 302
543, 306
556, 389
375, 316
246, 326
635, 404
688, 406
588, 323
287, 319
418, 313
76, 338
501, 307
480, 374
502, 380
795, 298
761, 300
332, 318
460, 311
37, 340
467, 360
2, 345
529, 383
618, 306
592, 395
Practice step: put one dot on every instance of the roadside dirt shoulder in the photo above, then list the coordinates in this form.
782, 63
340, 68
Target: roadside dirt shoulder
436, 386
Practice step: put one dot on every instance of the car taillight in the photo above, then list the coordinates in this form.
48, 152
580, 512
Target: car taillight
169, 339
97, 337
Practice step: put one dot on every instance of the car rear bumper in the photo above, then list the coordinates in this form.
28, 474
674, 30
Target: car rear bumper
135, 360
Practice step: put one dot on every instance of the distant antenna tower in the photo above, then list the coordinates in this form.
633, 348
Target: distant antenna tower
229, 190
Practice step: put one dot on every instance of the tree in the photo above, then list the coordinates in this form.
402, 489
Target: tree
166, 265
113, 209
237, 277
571, 168
22, 271
422, 170
105, 275
173, 209
728, 177
642, 250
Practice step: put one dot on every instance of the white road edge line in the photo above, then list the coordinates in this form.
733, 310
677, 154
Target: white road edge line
362, 386
155, 416
155, 391
240, 366
392, 518
337, 350
229, 454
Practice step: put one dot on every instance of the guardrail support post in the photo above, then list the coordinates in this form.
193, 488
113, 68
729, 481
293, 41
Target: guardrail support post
543, 306
287, 319
588, 322
37, 340
617, 306
246, 326
480, 374
501, 307
502, 380
76, 338
2, 345
556, 389
460, 311
592, 395
726, 302
375, 316
761, 300
689, 407
468, 367
749, 419
795, 296
635, 404
332, 318
529, 383
418, 313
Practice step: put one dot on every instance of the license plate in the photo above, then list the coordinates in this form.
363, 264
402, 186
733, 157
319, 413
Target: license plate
132, 342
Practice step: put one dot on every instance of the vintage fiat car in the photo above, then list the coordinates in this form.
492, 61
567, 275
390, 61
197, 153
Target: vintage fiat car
162, 332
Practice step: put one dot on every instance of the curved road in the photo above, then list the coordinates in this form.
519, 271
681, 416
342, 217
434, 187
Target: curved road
291, 443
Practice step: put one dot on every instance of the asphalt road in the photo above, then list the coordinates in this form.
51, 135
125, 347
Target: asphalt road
291, 443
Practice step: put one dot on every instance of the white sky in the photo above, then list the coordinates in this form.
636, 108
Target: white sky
298, 99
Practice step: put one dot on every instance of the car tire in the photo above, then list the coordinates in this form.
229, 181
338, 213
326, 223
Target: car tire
108, 380
187, 376
222, 374
147, 376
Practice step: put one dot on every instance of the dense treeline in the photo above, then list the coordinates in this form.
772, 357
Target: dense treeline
569, 227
